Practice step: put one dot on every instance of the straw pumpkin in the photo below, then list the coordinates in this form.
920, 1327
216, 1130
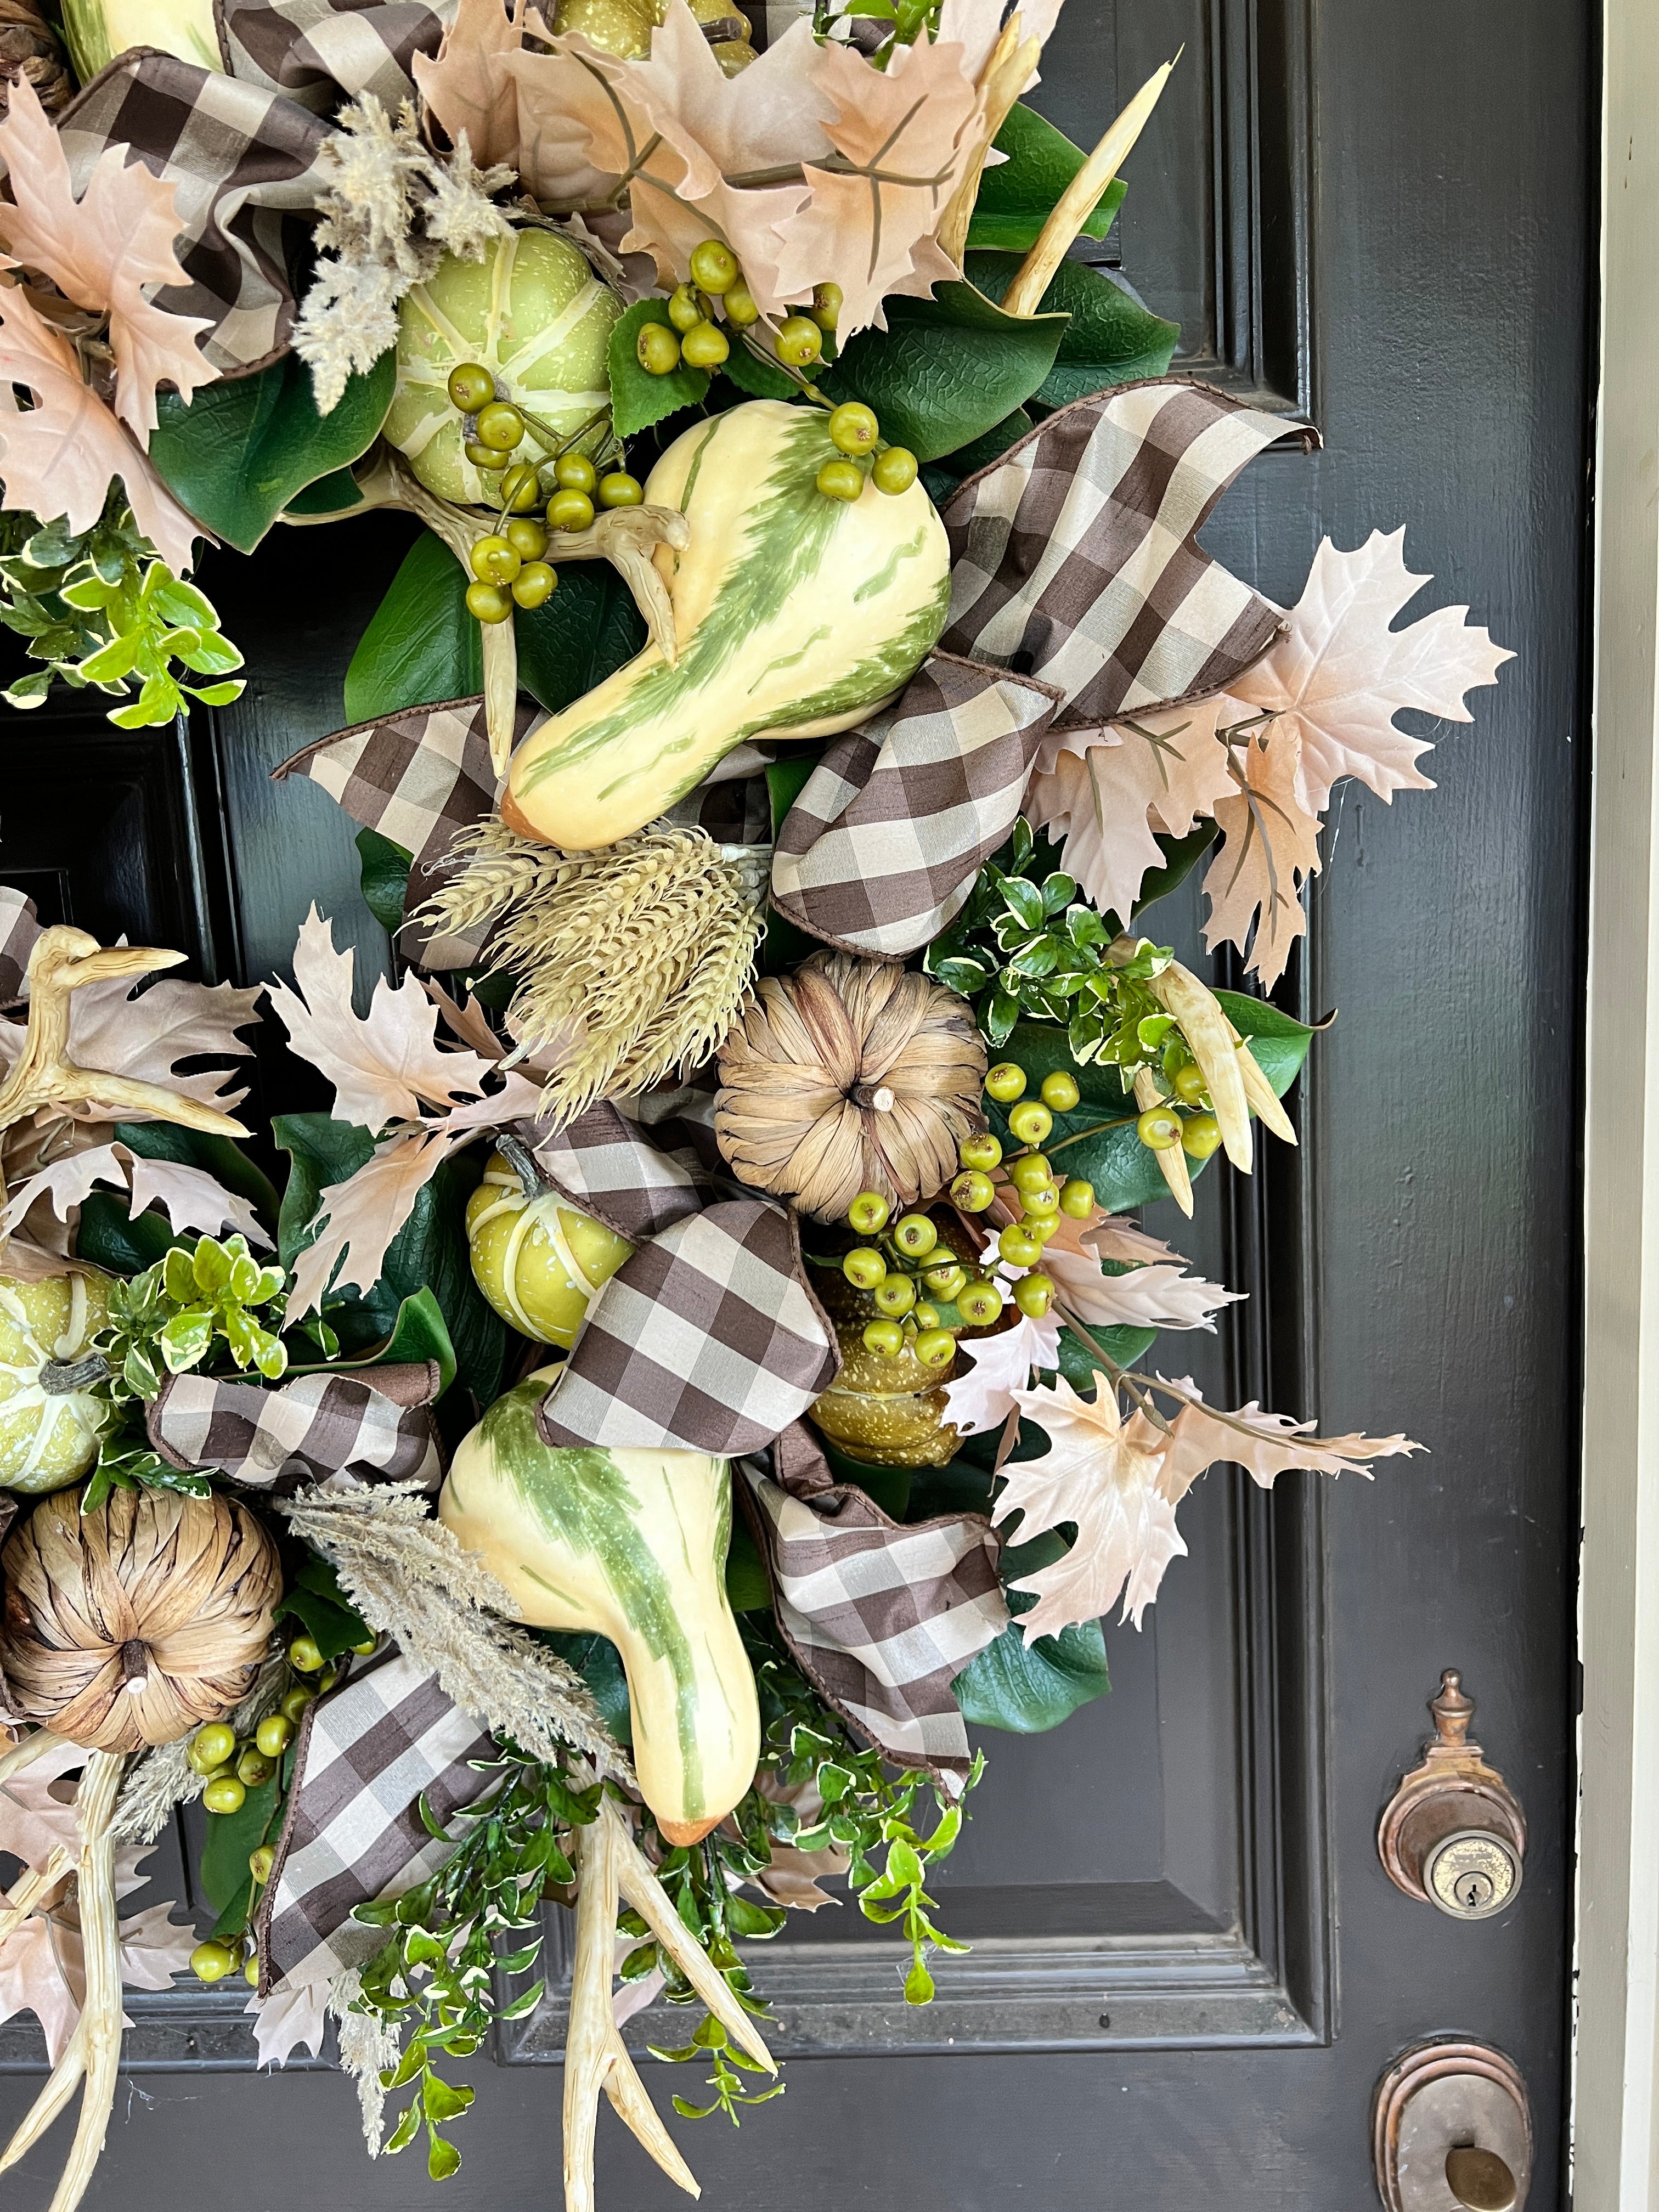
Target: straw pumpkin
849, 1075
133, 1623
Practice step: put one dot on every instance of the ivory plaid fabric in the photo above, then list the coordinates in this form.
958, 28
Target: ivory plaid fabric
352, 1831
708, 1340
1073, 558
379, 1429
880, 1617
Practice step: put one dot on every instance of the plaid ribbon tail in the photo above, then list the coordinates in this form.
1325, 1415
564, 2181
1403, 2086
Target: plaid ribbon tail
19, 928
309, 1430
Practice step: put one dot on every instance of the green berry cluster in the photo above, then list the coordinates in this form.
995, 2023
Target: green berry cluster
856, 435
1165, 1124
1025, 1180
510, 565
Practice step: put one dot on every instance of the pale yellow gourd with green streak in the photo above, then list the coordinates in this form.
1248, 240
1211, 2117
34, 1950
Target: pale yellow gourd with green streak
795, 615
631, 1544
50, 1421
540, 1260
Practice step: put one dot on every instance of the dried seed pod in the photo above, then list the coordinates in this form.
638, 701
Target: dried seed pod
849, 1075
135, 1623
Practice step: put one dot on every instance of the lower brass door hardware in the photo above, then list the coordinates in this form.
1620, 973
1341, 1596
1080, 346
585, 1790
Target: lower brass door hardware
1451, 2126
1453, 1835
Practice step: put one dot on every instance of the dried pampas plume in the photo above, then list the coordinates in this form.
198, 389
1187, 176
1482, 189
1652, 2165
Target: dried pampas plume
164, 1777
369, 2049
642, 953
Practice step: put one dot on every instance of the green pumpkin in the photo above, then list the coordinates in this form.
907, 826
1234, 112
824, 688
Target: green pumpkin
48, 1434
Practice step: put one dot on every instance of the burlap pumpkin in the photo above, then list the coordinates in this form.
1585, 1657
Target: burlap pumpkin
134, 1624
848, 1075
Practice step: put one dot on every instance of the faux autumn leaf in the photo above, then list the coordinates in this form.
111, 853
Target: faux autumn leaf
1106, 791
358, 1219
289, 2016
982, 1397
143, 1033
191, 1197
103, 249
1270, 844
1102, 1473
466, 86
1156, 1294
1266, 1445
58, 456
1340, 674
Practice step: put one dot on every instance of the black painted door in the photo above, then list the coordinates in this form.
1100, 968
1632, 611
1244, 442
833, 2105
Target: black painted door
1188, 1968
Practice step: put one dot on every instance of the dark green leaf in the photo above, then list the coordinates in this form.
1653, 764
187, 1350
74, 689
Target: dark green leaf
589, 629
230, 1838
1024, 900
1181, 856
1123, 1347
109, 1240
422, 645
321, 1151
598, 1663
384, 868
1278, 1044
335, 494
1111, 339
946, 369
760, 379
1016, 197
747, 1590
238, 451
637, 398
418, 1335
335, 1628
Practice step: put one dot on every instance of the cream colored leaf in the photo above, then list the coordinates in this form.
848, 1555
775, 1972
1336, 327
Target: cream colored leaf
466, 86
59, 457
1341, 674
982, 1397
32, 1980
154, 1949
1266, 1445
384, 1066
1156, 1297
104, 250
1270, 844
192, 1197
288, 2018
1101, 1474
34, 1819
143, 1033
1105, 793
357, 1220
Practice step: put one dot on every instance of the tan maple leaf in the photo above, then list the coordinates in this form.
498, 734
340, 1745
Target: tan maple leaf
59, 457
1341, 673
466, 86
104, 251
1270, 844
1102, 1473
1106, 791
1266, 1445
191, 1198
981, 1396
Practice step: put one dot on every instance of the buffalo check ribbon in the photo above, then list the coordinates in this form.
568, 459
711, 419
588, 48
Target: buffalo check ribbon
880, 1616
19, 928
376, 1428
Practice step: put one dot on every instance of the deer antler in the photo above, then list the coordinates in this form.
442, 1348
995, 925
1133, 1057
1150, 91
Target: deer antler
609, 1865
62, 961
93, 2054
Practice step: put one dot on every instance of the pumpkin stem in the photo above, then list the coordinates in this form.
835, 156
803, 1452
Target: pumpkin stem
135, 1666
880, 1097
59, 1378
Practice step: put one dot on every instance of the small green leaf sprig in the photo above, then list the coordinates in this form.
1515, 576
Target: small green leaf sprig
100, 608
434, 1975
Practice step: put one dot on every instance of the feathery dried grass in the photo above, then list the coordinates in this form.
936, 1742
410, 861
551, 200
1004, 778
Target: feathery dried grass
645, 950
164, 1777
369, 2046
409, 1577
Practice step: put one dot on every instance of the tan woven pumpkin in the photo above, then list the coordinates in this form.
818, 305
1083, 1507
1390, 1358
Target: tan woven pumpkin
134, 1624
848, 1075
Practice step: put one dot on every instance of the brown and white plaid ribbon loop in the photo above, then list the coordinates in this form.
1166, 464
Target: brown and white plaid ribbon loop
19, 928
880, 1616
374, 1428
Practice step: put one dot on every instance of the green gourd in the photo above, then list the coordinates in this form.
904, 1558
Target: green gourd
795, 615
631, 1544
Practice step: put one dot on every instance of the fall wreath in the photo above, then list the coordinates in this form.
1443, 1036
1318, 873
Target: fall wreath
704, 1361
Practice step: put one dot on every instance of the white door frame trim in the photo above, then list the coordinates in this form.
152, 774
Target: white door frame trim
1616, 2110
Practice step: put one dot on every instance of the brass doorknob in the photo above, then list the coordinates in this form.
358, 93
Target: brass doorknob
1450, 2126
1479, 2180
1453, 1834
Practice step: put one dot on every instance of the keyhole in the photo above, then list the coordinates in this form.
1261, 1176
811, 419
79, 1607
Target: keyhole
1474, 1890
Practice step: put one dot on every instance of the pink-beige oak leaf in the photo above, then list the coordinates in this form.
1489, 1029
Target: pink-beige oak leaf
1270, 845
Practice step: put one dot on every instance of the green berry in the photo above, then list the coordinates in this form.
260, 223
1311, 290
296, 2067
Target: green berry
493, 559
211, 1962
224, 1794
884, 1338
658, 348
295, 1702
1189, 1083
864, 1267
922, 1315
799, 342
944, 1282
1077, 1199
983, 1149
916, 1236
1030, 1172
980, 1305
1040, 1204
528, 539
853, 427
868, 1213
499, 426
1034, 1295
684, 308
1018, 1246
935, 1347
895, 470
1042, 1226
274, 1735
1005, 1082
570, 510
368, 1647
972, 1191
534, 584
1200, 1136
620, 489
471, 387
485, 456
260, 1862
520, 487
574, 472
303, 1655
489, 603
326, 1681
714, 266
1159, 1128
705, 347
826, 309
253, 1768
895, 1296
738, 302
210, 1746
1059, 1091
841, 480
1030, 1121
251, 1971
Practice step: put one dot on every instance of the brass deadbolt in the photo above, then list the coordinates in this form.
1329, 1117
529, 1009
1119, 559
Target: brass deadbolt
1453, 1835
1451, 2125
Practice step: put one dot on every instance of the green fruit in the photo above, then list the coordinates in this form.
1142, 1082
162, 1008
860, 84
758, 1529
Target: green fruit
841, 480
935, 1347
495, 561
895, 1296
1189, 1084
260, 1862
884, 1338
980, 1305
1077, 1199
48, 1437
620, 489
528, 539
864, 1267
853, 427
488, 603
826, 306
303, 1655
1005, 1082
895, 470
868, 1213
1159, 1128
658, 348
540, 1262
326, 1681
944, 1282
1200, 1136
487, 458
916, 1236
1041, 1226
570, 510
739, 305
295, 1702
521, 487
253, 1768
1034, 1295
224, 1794
1030, 1121
274, 1735
574, 472
251, 1971
471, 386
211, 1747
1060, 1090
534, 584
714, 266
1018, 1246
925, 1316
535, 317
983, 1151
972, 1191
368, 1647
499, 426
1033, 1172
1041, 1203
211, 1962
705, 347
685, 308
799, 342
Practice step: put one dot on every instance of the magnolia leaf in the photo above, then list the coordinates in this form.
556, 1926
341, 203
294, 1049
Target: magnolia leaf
422, 645
947, 369
57, 457
1111, 339
105, 249
1266, 1445
1279, 1042
1028, 1687
1017, 196
1270, 844
585, 632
